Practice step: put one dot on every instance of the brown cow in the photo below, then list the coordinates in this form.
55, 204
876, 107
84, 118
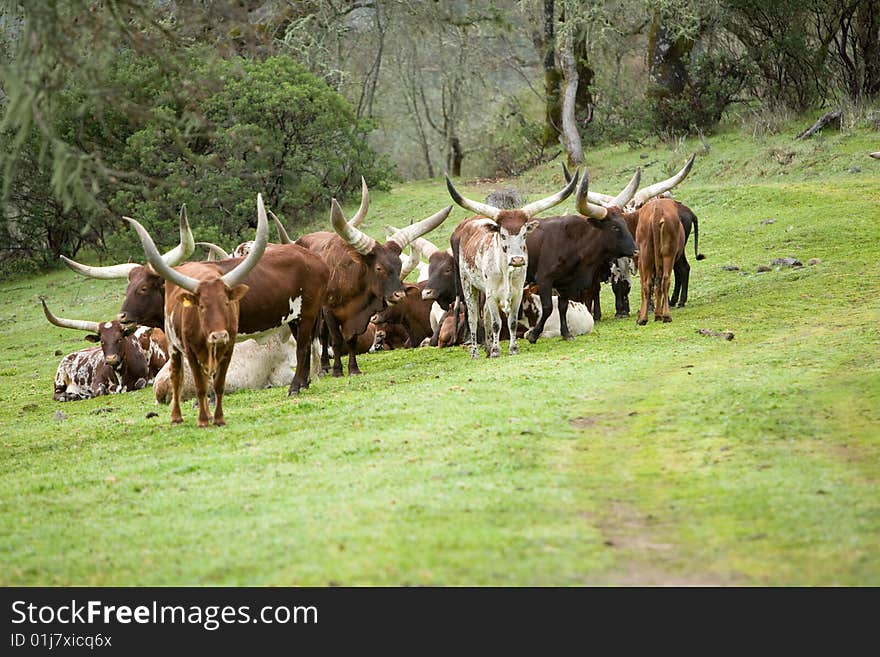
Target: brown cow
660, 241
202, 317
364, 277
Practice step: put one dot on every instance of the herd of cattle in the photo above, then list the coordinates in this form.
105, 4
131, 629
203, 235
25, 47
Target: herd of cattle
290, 305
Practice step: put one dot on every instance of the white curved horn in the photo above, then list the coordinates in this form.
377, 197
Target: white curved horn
582, 203
78, 324
358, 217
539, 206
410, 262
173, 257
237, 275
359, 241
474, 206
155, 259
406, 235
649, 192
283, 237
214, 250
627, 193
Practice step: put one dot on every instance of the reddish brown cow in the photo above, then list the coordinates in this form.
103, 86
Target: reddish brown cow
364, 277
413, 313
660, 241
202, 318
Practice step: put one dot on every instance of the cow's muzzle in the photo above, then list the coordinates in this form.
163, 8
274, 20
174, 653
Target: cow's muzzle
218, 337
429, 293
517, 261
112, 360
400, 295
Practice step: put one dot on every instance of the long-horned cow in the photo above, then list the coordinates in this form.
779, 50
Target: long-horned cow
202, 318
364, 276
491, 256
127, 358
660, 239
567, 252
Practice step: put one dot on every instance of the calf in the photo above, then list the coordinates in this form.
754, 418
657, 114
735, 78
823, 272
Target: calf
660, 239
128, 358
202, 318
491, 257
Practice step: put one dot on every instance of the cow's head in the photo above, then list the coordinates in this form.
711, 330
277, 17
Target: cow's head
145, 293
382, 261
512, 226
110, 335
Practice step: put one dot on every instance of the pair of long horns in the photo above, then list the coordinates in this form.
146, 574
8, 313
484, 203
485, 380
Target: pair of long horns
230, 278
173, 257
637, 199
363, 243
77, 324
530, 210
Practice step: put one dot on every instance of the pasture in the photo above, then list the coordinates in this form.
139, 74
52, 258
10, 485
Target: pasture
631, 456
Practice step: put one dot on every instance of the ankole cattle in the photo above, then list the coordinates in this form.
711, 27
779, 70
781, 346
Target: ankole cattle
660, 239
578, 317
364, 278
618, 272
491, 257
127, 358
202, 318
568, 252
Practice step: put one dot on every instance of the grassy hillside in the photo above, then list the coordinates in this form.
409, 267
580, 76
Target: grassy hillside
633, 455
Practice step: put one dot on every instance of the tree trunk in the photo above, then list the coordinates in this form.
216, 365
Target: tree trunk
667, 60
552, 80
867, 27
570, 137
455, 157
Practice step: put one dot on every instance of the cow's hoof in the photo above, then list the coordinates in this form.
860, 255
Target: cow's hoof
338, 373
354, 373
514, 351
568, 337
679, 305
621, 315
178, 420
219, 423
204, 424
531, 336
666, 319
641, 322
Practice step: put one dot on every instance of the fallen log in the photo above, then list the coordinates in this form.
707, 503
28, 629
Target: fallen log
825, 119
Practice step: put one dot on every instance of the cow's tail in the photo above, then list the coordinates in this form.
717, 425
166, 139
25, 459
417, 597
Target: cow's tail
697, 254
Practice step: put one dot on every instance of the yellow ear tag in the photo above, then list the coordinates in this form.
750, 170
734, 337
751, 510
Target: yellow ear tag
187, 303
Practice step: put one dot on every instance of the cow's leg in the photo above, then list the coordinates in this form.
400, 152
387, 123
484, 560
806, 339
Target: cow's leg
472, 312
621, 288
646, 275
200, 378
513, 318
435, 338
545, 291
682, 276
562, 305
595, 306
324, 333
353, 368
338, 343
661, 312
492, 322
219, 386
176, 380
303, 336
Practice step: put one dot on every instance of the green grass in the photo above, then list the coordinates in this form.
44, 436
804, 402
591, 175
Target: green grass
633, 455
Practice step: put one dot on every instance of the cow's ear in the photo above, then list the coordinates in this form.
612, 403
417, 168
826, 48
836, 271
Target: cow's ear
189, 299
493, 227
236, 293
530, 226
91, 337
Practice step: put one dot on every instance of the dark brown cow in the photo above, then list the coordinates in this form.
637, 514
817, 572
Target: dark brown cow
364, 278
660, 240
128, 358
202, 318
413, 313
568, 252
